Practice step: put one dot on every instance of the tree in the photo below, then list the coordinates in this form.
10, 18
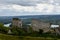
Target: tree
40, 31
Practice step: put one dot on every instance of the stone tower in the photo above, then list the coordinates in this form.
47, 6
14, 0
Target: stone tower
17, 22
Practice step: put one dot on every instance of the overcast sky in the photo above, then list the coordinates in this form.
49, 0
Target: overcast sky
29, 7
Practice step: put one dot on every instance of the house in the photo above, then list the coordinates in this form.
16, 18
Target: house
17, 22
37, 25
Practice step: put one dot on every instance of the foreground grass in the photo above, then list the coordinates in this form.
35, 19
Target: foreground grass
10, 37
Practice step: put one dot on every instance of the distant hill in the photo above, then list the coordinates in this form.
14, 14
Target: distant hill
27, 19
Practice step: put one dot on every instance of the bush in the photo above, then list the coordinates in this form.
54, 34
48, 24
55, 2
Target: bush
17, 31
3, 29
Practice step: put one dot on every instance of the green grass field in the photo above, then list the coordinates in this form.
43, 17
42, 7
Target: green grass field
10, 37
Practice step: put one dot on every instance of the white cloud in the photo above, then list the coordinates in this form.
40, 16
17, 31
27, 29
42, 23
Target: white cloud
57, 9
44, 7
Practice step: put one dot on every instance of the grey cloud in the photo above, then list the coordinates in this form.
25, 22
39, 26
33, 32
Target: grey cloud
20, 2
28, 2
